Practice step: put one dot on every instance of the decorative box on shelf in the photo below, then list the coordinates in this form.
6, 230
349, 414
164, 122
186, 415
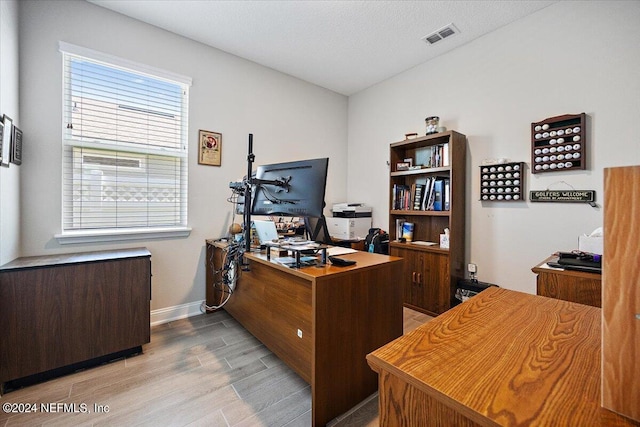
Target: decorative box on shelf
502, 182
558, 144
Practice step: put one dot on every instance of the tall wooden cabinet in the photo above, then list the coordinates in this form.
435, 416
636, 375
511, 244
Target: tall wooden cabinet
430, 272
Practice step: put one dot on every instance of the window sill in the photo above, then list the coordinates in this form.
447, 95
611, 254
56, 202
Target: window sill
119, 235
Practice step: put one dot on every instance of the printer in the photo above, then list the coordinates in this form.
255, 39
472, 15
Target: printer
351, 210
350, 221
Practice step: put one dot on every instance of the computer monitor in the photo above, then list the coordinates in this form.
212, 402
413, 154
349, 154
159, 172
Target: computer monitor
317, 230
291, 189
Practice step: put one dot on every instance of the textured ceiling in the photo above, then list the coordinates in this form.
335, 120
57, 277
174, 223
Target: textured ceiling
344, 46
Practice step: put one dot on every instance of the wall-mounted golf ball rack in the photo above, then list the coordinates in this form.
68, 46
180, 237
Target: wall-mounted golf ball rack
558, 144
502, 182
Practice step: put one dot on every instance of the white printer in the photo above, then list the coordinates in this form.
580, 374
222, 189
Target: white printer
351, 210
350, 221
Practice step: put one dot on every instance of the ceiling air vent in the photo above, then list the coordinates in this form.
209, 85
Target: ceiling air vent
442, 33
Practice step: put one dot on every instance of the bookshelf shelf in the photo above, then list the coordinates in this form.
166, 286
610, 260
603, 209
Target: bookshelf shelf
418, 213
423, 171
430, 273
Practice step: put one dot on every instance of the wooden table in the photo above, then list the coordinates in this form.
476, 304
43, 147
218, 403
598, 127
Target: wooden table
503, 358
569, 285
322, 322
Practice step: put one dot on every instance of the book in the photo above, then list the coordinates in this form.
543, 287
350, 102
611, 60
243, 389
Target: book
399, 223
447, 194
445, 154
407, 231
432, 195
438, 189
425, 194
417, 197
412, 196
401, 194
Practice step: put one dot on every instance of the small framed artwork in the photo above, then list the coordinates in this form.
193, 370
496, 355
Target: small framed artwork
402, 166
209, 148
16, 147
1, 140
6, 140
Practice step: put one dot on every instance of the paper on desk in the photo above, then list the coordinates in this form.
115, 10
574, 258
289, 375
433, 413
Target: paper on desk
545, 265
285, 260
339, 250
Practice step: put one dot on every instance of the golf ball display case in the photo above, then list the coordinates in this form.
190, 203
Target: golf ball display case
558, 144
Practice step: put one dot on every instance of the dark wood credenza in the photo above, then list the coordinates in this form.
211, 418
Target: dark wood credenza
61, 310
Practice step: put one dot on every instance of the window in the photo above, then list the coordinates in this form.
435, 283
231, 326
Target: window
124, 146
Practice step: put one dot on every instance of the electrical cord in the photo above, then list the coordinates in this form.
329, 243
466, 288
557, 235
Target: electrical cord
226, 276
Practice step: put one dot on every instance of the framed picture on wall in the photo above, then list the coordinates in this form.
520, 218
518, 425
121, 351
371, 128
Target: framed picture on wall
16, 147
6, 139
1, 141
209, 148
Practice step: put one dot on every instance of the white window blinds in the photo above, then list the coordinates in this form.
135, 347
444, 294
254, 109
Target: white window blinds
124, 144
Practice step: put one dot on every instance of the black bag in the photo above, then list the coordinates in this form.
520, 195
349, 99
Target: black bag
377, 241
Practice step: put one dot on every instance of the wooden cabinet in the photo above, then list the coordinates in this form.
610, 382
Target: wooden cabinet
576, 286
621, 292
61, 310
431, 272
428, 286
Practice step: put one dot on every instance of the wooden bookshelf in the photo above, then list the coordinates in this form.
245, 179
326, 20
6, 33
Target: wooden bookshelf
431, 272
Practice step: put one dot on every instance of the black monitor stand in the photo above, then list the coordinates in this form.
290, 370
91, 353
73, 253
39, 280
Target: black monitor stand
248, 184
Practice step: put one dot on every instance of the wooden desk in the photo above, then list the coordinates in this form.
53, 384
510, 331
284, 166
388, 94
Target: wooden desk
322, 322
568, 285
501, 358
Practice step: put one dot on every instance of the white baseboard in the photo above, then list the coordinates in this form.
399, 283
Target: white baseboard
168, 314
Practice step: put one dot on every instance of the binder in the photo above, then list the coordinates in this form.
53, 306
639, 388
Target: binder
447, 194
438, 189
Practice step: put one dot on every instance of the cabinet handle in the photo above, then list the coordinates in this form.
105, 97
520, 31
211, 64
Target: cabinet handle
413, 276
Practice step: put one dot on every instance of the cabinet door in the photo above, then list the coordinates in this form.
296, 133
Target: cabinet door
407, 276
425, 279
416, 260
435, 288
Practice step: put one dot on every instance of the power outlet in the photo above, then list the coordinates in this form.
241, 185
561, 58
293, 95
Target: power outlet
472, 268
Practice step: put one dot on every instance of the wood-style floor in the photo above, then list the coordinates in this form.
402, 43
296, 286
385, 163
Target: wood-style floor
206, 370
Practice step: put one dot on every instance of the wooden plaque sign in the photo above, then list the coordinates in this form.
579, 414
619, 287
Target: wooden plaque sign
564, 196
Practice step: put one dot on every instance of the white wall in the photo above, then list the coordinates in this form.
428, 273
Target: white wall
9, 177
571, 57
290, 120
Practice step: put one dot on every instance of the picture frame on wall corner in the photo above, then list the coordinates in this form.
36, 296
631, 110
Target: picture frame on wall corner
16, 147
6, 140
1, 140
209, 148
